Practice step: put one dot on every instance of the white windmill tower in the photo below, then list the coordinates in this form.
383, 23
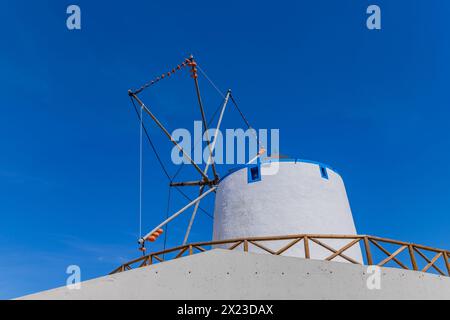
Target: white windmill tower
302, 197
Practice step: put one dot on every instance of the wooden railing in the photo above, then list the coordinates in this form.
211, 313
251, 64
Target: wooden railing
374, 249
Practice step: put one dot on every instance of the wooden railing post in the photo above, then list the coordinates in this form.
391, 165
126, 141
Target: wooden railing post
368, 252
190, 250
246, 245
447, 263
306, 244
413, 258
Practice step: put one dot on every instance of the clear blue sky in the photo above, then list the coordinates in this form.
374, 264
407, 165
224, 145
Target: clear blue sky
372, 104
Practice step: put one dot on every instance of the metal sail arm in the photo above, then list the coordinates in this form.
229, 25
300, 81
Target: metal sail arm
159, 124
194, 213
210, 160
194, 75
176, 214
219, 122
202, 188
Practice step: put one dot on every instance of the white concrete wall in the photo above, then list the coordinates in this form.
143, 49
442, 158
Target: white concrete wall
221, 274
296, 200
